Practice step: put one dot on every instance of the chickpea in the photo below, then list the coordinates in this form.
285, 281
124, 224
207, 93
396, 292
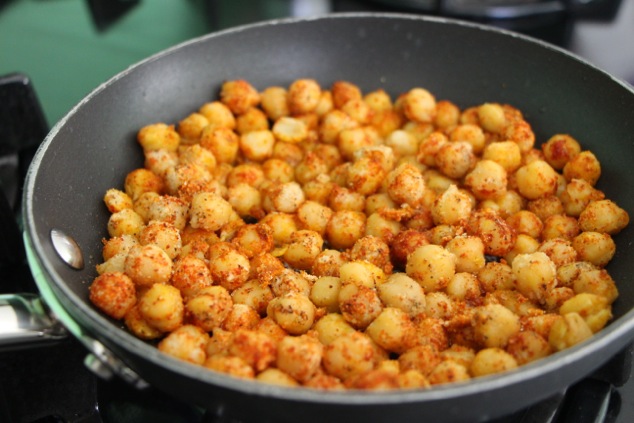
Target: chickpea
125, 222
239, 96
470, 133
431, 266
535, 274
218, 115
303, 96
536, 179
595, 309
209, 307
569, 331
594, 247
528, 346
228, 266
603, 216
253, 294
351, 354
584, 165
332, 326
419, 105
114, 293
161, 306
359, 304
190, 275
257, 349
158, 136
186, 343
345, 228
299, 356
487, 180
560, 149
494, 325
295, 313
577, 194
455, 159
492, 117
274, 101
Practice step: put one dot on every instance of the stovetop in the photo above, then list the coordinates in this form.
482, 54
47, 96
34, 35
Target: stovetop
51, 384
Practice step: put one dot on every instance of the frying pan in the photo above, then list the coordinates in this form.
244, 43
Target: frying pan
93, 147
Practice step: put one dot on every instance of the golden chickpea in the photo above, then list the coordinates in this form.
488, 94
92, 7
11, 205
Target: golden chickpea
487, 180
455, 159
402, 292
419, 105
186, 343
304, 247
239, 96
496, 276
494, 325
284, 197
234, 366
528, 346
577, 194
448, 372
447, 114
568, 331
490, 361
345, 228
218, 115
469, 253
598, 282
253, 239
505, 153
282, 225
595, 309
536, 179
254, 294
359, 304
535, 275
603, 216
526, 222
136, 324
594, 247
499, 236
584, 165
147, 265
303, 96
492, 117
125, 222
274, 101
559, 250
190, 275
470, 133
229, 268
299, 356
161, 306
560, 149
224, 143
351, 354
332, 326
158, 136
209, 307
327, 263
431, 266
257, 349
113, 293
295, 313
405, 185
560, 226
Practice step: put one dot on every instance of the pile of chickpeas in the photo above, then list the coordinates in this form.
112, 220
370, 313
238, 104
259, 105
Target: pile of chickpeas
335, 239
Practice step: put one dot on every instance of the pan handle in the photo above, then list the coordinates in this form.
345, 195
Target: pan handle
25, 321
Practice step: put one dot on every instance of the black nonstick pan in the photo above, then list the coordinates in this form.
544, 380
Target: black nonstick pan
94, 146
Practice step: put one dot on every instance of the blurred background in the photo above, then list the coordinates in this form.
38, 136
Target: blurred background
69, 47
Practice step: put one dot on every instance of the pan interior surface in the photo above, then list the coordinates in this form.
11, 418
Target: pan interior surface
94, 147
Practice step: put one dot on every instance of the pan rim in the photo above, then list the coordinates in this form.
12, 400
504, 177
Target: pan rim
615, 333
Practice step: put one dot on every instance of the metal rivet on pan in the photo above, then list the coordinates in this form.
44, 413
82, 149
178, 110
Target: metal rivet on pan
67, 249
